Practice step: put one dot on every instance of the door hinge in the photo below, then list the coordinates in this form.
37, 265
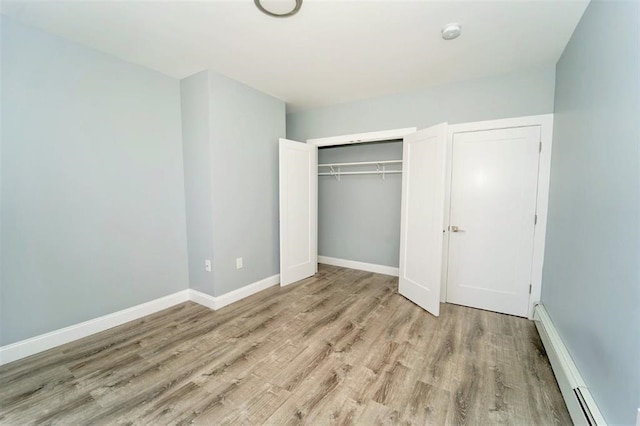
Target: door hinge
530, 285
535, 219
540, 147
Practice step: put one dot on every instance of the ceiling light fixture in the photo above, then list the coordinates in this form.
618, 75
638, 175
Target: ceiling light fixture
292, 12
450, 31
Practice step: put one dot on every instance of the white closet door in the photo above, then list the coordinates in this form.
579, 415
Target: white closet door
422, 216
298, 211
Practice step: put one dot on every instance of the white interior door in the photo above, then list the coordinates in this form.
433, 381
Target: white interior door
492, 218
422, 214
298, 211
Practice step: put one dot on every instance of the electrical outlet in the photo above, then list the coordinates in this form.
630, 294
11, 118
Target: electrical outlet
238, 263
207, 265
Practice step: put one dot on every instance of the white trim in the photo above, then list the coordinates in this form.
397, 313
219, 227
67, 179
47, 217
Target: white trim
542, 208
545, 122
383, 135
203, 299
503, 123
565, 370
43, 342
28, 347
246, 291
363, 266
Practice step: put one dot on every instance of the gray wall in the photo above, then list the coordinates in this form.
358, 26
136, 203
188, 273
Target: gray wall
92, 184
196, 147
230, 134
513, 95
245, 127
591, 281
359, 217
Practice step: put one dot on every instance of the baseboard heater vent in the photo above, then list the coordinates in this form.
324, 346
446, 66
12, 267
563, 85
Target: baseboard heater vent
581, 405
583, 395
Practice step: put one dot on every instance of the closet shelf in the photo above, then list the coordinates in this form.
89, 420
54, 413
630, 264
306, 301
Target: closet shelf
335, 168
368, 172
361, 163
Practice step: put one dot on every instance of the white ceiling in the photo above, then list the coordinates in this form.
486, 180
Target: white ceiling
330, 52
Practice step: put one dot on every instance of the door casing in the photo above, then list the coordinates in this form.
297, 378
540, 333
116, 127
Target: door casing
545, 122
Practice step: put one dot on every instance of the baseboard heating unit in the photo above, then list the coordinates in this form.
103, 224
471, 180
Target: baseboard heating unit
580, 403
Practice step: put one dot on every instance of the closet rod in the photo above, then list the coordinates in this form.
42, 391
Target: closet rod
372, 172
361, 163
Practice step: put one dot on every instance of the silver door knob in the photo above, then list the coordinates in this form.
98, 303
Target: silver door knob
455, 229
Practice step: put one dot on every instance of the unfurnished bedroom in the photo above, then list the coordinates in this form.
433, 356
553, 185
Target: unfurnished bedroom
320, 212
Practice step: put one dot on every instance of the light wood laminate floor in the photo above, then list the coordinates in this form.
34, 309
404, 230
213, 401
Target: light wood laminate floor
341, 347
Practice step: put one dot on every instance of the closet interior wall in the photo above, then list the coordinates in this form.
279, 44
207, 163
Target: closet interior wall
359, 215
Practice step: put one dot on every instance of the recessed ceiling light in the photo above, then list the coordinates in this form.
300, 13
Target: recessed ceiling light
451, 31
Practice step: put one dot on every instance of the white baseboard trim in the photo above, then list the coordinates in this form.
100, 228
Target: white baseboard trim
566, 372
34, 345
217, 302
203, 299
246, 291
363, 266
28, 347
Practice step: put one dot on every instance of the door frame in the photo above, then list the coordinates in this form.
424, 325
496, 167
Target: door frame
545, 121
350, 139
381, 135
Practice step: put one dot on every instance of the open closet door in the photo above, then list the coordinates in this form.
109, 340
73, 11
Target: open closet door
422, 217
298, 211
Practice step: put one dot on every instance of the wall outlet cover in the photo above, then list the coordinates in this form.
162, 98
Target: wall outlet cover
238, 263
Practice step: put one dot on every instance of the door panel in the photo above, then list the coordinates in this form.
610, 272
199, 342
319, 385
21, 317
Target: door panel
422, 214
493, 203
298, 211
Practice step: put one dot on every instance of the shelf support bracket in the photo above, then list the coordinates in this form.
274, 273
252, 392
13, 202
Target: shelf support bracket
335, 173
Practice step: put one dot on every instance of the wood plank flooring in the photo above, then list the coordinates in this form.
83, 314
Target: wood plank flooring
341, 347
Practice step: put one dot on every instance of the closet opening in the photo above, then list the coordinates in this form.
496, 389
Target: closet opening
359, 201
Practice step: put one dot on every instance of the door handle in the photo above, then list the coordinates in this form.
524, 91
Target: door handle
456, 229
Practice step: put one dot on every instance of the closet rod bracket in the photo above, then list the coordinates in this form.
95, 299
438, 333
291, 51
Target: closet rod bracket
335, 173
